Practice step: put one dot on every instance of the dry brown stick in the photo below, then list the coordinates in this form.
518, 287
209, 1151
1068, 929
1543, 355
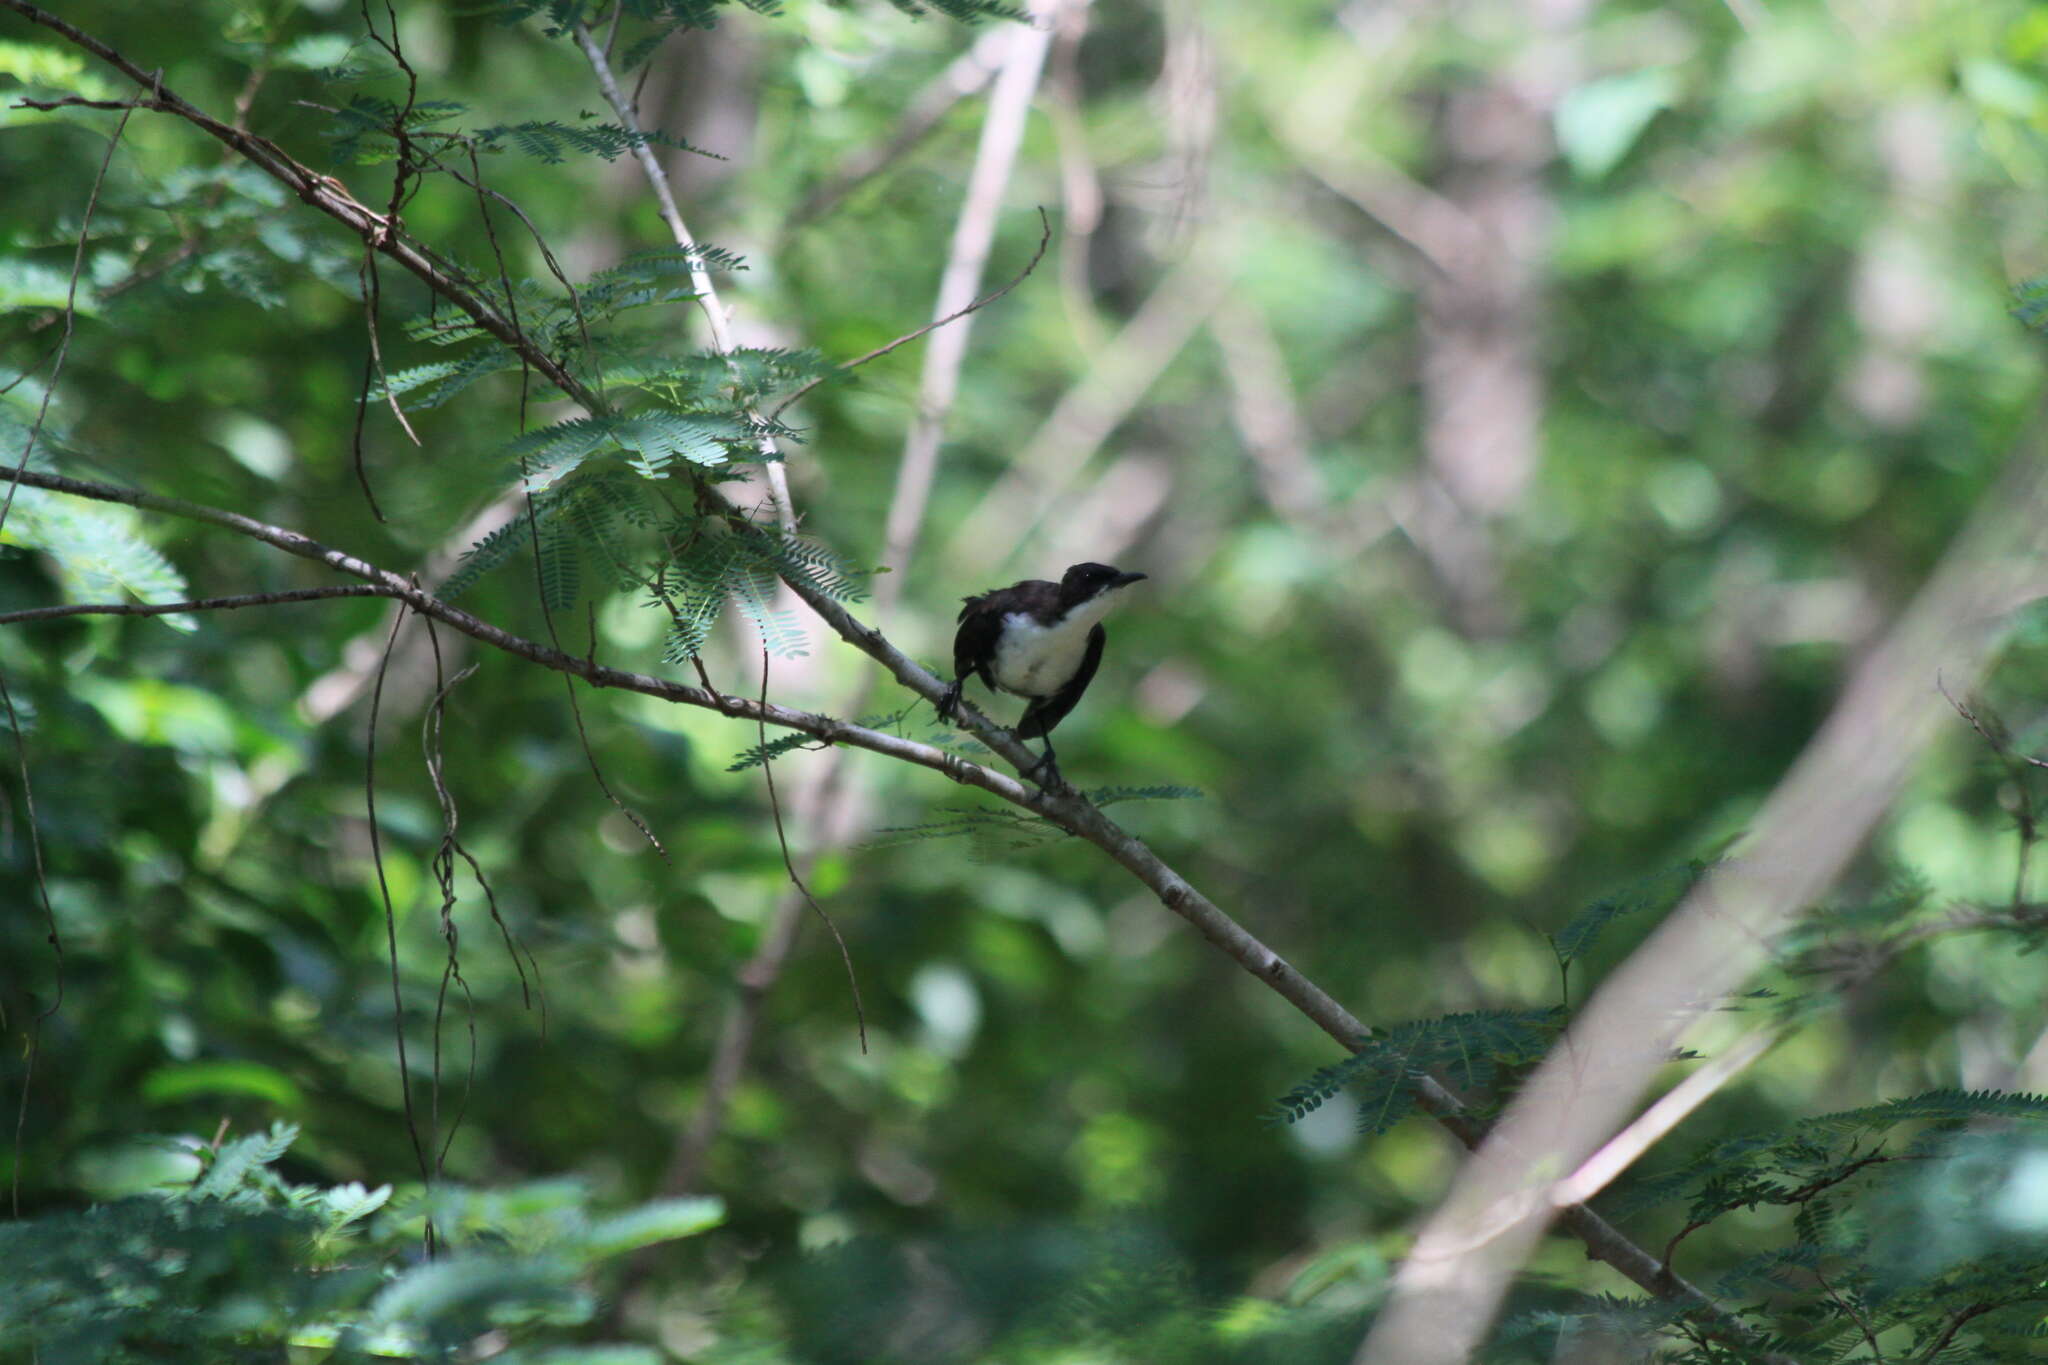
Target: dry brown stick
52, 937
391, 914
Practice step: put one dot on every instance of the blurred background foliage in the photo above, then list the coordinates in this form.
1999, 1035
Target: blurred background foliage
1524, 413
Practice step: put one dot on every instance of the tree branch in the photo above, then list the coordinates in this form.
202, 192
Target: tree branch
1064, 808
251, 599
328, 195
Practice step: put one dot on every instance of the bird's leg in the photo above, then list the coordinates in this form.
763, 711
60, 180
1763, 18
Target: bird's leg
948, 704
1046, 771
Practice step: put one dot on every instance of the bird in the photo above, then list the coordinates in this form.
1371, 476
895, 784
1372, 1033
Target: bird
1038, 640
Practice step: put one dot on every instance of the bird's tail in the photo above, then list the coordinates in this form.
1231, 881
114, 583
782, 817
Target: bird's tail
1034, 724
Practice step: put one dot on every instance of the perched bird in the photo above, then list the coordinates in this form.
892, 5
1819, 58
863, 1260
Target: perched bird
1039, 640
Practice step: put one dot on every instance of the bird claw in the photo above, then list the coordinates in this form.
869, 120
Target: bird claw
1046, 773
948, 704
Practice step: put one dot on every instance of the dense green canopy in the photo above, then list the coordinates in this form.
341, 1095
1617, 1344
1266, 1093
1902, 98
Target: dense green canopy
1526, 415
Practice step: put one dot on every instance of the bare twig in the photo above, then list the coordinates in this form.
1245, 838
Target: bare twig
1622, 1150
52, 937
1044, 240
251, 599
2027, 817
35, 432
92, 200
1850, 1312
391, 914
860, 1016
373, 373
1975, 1310
442, 866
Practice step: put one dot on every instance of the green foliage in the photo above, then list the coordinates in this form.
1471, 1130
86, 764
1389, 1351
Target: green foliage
1468, 1051
755, 755
1774, 374
715, 561
96, 549
241, 1261
552, 143
1657, 893
998, 831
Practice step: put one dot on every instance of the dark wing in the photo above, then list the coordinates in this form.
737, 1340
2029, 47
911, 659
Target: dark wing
1042, 715
974, 644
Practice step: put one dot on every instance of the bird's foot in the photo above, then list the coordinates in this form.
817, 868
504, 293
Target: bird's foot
1046, 773
948, 704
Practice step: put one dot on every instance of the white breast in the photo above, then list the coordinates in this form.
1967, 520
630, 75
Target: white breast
1034, 660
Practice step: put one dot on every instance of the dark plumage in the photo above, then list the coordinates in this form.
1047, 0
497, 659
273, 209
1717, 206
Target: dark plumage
1037, 640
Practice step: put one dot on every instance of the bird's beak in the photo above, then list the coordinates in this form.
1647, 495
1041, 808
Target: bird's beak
1124, 580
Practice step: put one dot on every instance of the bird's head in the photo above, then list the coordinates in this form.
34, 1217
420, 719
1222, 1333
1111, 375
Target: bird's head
1086, 582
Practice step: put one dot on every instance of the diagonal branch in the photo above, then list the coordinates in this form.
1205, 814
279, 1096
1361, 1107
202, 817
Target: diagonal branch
1065, 809
1449, 1289
329, 196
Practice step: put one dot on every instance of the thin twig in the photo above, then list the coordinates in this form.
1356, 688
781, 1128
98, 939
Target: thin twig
390, 912
789, 864
2026, 818
92, 200
547, 617
1975, 1310
251, 599
52, 937
1621, 1151
35, 432
1044, 240
1850, 1312
443, 867
373, 372
322, 192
